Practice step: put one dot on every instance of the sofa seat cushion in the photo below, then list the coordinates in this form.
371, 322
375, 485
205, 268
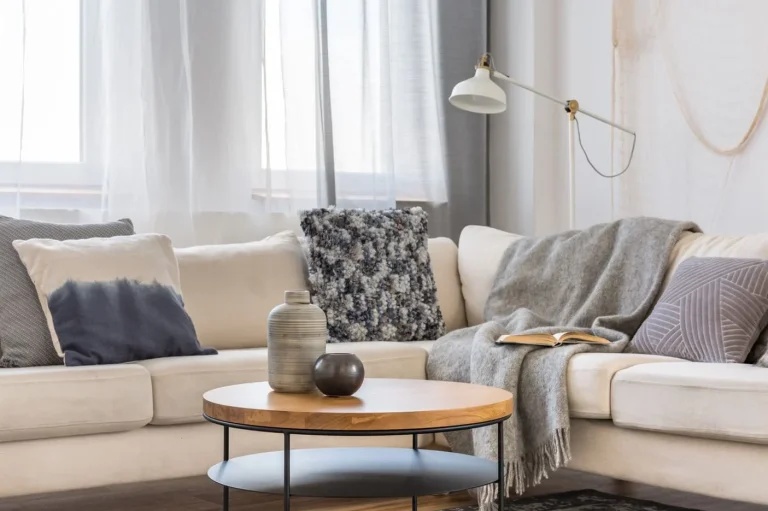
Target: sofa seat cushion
723, 401
178, 383
57, 401
425, 345
589, 380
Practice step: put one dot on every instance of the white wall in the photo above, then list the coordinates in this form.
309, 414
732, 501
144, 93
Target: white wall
564, 48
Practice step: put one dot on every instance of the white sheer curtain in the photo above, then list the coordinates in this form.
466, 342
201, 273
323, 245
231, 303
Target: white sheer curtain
43, 144
179, 86
352, 97
201, 119
691, 79
384, 100
292, 174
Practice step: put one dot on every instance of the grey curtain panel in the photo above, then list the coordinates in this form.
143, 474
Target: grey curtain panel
462, 36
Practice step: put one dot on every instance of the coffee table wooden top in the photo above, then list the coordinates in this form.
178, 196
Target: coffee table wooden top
380, 405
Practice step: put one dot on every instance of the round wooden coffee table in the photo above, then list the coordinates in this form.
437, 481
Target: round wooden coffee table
381, 407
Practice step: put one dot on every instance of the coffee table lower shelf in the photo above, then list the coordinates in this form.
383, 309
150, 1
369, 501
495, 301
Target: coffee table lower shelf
364, 472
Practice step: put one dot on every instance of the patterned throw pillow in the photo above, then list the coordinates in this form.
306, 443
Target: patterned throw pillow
24, 336
111, 300
370, 272
712, 311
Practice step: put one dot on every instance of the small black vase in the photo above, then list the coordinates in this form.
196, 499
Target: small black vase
338, 374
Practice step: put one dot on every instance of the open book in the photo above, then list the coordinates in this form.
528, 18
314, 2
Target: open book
552, 339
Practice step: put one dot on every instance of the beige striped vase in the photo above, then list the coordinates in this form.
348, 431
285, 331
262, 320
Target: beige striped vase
296, 336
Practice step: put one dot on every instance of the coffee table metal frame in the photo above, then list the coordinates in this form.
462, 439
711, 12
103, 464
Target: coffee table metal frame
287, 432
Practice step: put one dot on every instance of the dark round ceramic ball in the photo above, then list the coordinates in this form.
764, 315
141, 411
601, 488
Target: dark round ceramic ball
338, 374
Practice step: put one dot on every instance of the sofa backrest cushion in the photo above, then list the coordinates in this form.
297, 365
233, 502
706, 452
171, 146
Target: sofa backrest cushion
481, 248
480, 251
444, 255
753, 246
229, 290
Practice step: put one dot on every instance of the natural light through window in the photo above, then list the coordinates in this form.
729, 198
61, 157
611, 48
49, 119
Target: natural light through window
273, 99
47, 61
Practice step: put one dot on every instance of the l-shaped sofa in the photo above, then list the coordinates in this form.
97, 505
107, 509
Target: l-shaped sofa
691, 426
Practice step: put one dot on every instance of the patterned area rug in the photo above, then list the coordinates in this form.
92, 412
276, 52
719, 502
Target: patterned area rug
582, 500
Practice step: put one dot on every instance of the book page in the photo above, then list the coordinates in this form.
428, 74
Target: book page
575, 337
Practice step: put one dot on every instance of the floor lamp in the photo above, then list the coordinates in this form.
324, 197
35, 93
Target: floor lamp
482, 95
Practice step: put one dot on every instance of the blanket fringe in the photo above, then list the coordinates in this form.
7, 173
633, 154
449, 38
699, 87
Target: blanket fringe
529, 470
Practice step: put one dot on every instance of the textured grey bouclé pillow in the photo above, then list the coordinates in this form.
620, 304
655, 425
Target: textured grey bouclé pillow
370, 272
712, 311
24, 335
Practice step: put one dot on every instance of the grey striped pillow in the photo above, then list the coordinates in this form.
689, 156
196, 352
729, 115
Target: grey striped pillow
712, 311
24, 335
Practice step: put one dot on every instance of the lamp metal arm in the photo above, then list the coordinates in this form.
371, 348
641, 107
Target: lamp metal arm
567, 104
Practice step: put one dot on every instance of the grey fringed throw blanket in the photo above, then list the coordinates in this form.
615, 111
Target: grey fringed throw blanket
601, 280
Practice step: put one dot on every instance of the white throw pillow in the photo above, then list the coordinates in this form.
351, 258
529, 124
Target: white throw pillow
110, 300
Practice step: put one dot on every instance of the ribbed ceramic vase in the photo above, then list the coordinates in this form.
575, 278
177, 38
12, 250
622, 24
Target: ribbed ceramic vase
296, 336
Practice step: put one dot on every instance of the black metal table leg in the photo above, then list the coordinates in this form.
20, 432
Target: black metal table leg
502, 479
225, 495
286, 472
414, 499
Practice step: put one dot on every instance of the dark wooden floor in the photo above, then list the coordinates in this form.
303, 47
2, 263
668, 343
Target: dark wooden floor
200, 494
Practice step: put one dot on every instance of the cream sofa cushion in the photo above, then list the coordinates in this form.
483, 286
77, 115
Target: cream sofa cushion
588, 382
178, 383
229, 290
589, 377
754, 246
57, 401
480, 251
425, 345
724, 401
444, 256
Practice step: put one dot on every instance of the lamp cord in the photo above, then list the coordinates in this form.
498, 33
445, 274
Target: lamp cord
581, 144
609, 176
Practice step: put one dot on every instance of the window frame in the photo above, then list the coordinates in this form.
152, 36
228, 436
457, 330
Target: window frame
73, 178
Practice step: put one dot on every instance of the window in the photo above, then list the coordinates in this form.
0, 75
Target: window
339, 115
43, 51
44, 161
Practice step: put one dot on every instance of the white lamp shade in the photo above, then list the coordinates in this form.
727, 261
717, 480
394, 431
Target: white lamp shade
479, 94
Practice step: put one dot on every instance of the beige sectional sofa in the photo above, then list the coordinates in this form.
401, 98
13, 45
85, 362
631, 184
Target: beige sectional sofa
659, 420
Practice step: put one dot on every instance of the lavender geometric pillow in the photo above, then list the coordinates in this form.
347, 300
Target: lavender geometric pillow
712, 311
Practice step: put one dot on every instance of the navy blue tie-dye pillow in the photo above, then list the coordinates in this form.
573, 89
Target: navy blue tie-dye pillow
111, 300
